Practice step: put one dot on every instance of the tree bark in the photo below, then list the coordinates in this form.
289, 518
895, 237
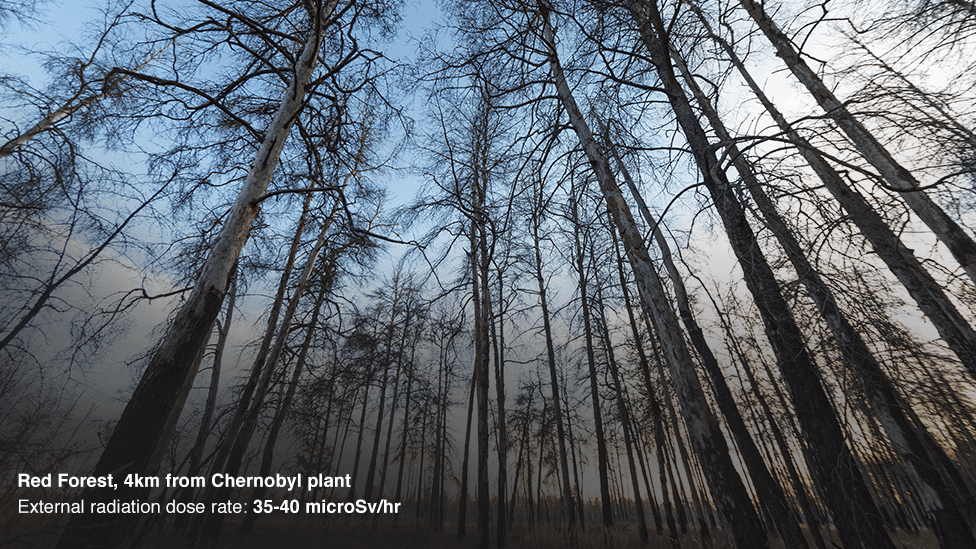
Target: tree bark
141, 428
769, 491
214, 521
621, 411
960, 244
267, 457
601, 444
498, 341
855, 514
569, 508
928, 295
707, 437
196, 457
463, 497
912, 443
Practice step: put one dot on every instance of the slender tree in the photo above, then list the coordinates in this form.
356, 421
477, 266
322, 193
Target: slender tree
706, 435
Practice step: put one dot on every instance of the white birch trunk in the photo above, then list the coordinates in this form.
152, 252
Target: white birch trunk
142, 427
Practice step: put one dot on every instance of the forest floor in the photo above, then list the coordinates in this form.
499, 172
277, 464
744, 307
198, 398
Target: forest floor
301, 532
368, 533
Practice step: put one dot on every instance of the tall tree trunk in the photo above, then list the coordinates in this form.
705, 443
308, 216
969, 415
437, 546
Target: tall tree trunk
498, 342
406, 423
621, 409
463, 497
645, 373
567, 495
432, 515
523, 443
769, 491
186, 495
396, 395
578, 497
640, 452
707, 437
384, 383
601, 444
891, 410
482, 321
847, 495
528, 478
420, 470
214, 522
267, 458
367, 381
960, 244
140, 430
664, 473
319, 441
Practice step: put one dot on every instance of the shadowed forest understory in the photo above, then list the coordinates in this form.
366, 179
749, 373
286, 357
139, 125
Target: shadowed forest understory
675, 274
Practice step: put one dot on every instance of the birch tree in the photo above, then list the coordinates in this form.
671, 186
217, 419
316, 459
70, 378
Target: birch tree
142, 428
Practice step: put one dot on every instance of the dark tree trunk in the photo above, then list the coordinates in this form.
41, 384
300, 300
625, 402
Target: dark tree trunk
621, 411
769, 491
959, 243
463, 497
855, 514
601, 444
567, 496
706, 434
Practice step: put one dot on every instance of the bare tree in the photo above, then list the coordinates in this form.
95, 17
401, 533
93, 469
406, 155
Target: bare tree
898, 178
141, 430
708, 440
